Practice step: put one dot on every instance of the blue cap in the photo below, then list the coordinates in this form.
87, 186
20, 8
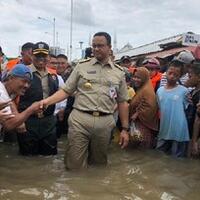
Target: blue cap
22, 71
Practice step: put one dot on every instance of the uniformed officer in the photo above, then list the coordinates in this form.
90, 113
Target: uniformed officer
99, 85
40, 138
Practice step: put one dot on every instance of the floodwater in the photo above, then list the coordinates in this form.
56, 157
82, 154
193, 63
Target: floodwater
130, 175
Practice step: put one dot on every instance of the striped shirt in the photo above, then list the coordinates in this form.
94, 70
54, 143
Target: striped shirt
181, 81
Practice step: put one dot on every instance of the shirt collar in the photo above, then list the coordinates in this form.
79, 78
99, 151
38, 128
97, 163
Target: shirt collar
110, 63
34, 69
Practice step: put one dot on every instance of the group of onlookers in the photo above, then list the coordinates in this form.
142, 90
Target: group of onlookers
163, 109
26, 80
163, 112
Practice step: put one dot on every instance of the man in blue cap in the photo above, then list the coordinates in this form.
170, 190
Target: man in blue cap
15, 84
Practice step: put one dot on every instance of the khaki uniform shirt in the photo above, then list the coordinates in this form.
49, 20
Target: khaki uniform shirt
43, 75
98, 87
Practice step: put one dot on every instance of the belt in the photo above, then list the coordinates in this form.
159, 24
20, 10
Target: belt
95, 113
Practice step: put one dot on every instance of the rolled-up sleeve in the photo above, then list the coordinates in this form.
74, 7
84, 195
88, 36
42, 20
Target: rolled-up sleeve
70, 85
122, 95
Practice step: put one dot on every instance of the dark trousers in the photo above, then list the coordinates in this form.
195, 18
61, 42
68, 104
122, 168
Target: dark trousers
40, 138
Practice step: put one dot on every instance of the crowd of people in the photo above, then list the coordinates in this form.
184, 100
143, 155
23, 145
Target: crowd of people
148, 105
164, 111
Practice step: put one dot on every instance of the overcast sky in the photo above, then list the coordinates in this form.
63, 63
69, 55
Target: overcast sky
135, 21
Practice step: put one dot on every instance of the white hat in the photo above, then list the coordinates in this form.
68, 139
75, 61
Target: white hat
185, 57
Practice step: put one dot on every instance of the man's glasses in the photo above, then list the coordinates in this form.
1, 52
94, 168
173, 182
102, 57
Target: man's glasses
99, 46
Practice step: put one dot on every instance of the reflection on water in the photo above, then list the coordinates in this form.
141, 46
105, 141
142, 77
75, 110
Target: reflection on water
130, 175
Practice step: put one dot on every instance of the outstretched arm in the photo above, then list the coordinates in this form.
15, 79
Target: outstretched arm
55, 98
19, 118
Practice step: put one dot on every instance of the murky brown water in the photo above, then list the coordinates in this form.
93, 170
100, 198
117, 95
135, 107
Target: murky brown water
130, 175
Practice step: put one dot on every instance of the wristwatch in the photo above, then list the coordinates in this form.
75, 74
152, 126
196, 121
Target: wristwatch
126, 128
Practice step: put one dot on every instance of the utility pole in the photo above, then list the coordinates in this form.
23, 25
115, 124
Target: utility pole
54, 29
81, 48
54, 35
71, 30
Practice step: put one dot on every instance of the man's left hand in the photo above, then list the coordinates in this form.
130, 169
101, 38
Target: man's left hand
61, 114
124, 139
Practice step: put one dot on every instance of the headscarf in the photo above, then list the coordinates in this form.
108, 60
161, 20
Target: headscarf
145, 102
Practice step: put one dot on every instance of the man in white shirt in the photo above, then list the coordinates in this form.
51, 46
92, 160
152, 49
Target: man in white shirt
3, 114
15, 84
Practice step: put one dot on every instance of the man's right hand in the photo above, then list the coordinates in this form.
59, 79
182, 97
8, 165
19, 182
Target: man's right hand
4, 104
5, 116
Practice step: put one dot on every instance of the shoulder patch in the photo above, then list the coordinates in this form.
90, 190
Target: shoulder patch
119, 67
84, 60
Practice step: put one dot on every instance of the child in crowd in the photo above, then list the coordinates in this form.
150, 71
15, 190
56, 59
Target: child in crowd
194, 83
196, 133
173, 100
194, 114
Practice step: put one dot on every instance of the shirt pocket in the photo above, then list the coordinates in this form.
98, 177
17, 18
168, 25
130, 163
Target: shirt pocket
87, 82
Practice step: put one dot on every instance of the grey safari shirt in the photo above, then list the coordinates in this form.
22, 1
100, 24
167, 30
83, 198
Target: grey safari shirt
98, 87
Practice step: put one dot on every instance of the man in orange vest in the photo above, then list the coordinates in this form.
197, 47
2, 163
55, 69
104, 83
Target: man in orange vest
26, 56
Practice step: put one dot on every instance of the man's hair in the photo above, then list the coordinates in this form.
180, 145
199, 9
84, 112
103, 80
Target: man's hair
106, 35
27, 46
88, 52
62, 56
177, 64
52, 55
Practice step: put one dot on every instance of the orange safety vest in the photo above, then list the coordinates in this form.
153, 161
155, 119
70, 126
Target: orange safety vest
155, 79
131, 69
51, 71
12, 63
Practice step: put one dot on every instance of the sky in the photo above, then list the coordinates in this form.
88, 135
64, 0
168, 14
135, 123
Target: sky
137, 22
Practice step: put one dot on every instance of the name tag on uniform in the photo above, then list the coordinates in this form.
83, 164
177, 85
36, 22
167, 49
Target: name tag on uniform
91, 72
112, 93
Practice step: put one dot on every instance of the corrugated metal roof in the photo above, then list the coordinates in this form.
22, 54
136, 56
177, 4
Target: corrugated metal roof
163, 54
148, 48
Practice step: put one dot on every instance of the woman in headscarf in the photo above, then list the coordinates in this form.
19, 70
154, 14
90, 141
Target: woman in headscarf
144, 109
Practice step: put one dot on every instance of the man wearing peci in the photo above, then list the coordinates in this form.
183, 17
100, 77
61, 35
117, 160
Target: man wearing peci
99, 85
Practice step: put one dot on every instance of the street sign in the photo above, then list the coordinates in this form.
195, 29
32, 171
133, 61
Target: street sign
191, 39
